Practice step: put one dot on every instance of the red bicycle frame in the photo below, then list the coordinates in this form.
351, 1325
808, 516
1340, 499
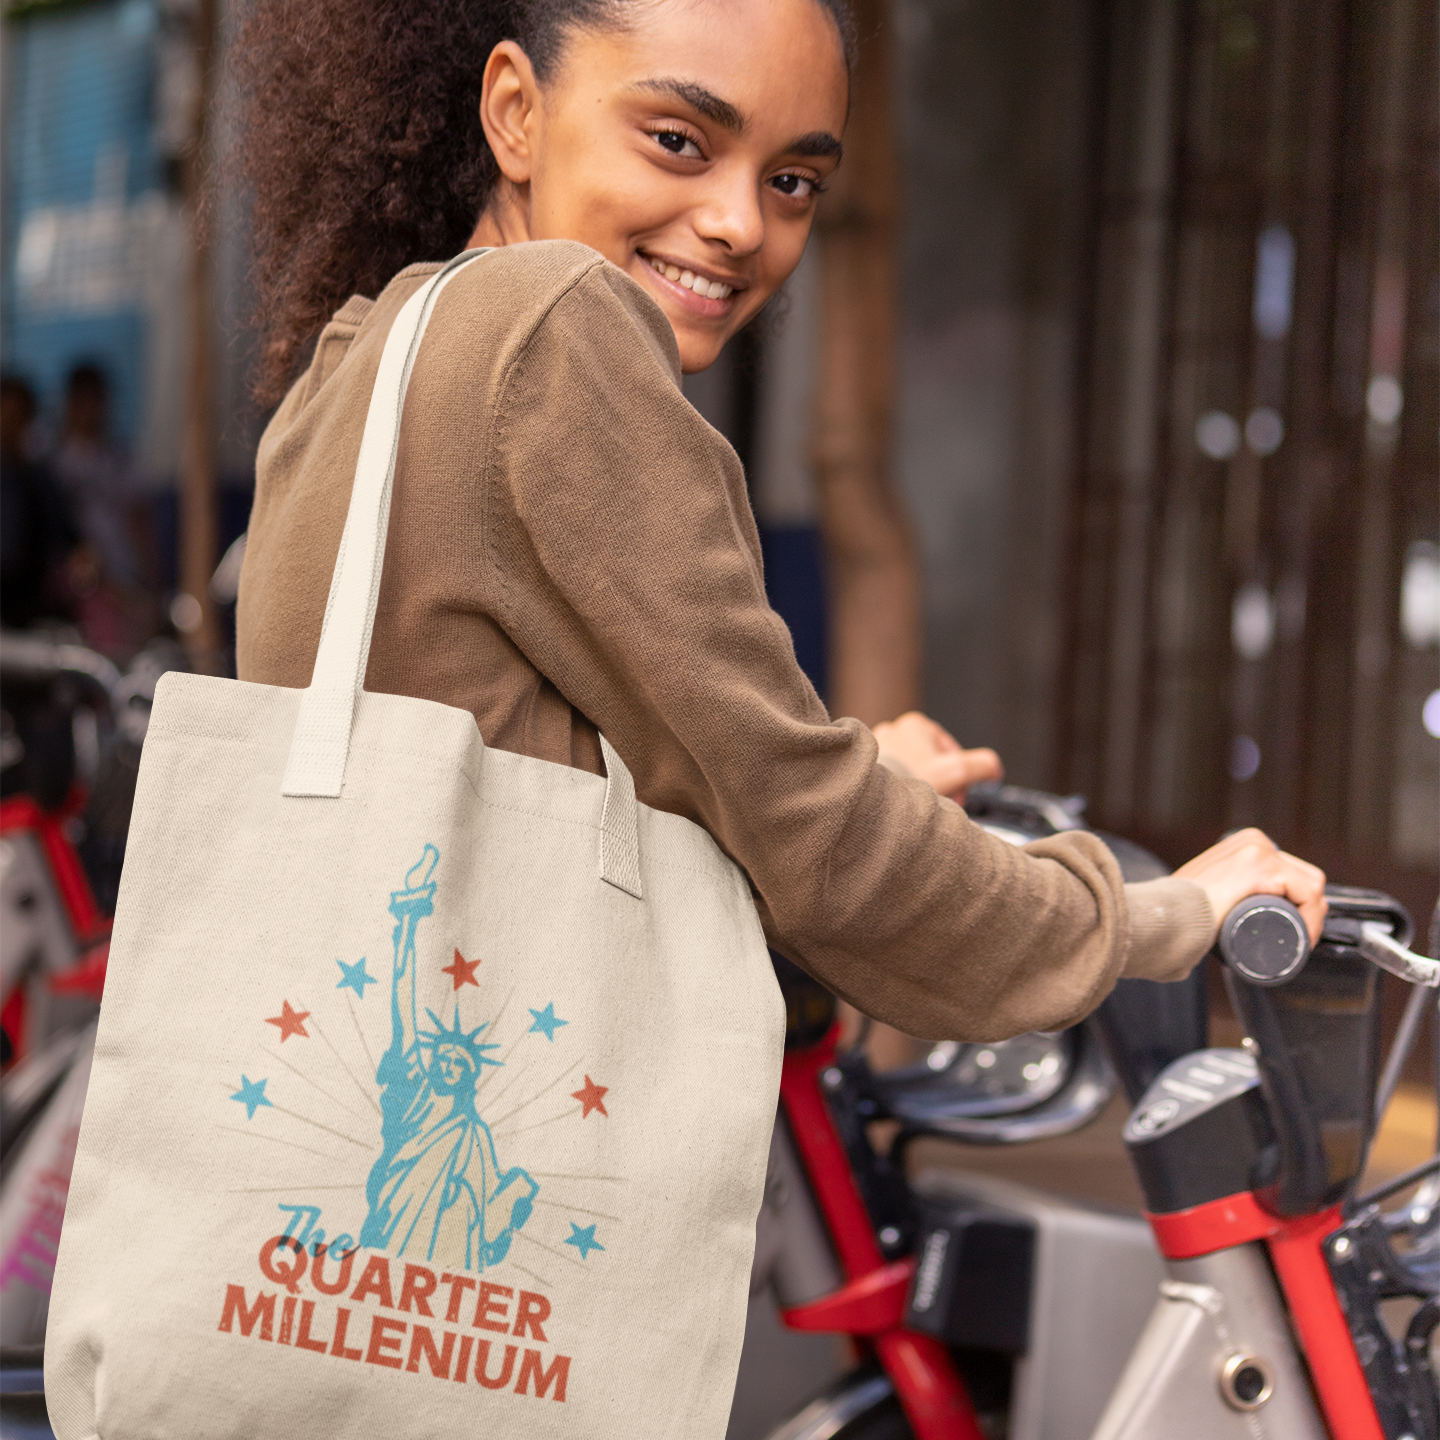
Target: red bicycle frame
91, 928
870, 1306
1296, 1251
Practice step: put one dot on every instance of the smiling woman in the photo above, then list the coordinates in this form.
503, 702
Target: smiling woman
570, 547
376, 133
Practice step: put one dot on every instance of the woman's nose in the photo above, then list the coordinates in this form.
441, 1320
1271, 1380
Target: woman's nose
730, 212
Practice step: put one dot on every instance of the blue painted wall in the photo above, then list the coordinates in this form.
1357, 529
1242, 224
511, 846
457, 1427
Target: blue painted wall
79, 90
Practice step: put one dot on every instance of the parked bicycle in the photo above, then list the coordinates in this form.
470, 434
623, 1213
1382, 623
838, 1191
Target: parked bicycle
73, 725
984, 1309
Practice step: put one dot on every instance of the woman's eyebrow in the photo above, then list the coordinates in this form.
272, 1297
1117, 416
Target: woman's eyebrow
819, 144
698, 98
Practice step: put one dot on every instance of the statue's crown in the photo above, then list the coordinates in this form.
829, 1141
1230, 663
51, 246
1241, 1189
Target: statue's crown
453, 1034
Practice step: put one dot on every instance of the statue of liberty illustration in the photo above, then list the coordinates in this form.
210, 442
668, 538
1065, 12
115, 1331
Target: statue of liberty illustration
437, 1191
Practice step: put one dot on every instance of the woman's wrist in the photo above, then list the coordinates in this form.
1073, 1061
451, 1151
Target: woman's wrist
1172, 926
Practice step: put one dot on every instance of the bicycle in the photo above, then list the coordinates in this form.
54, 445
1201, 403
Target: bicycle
969, 1298
61, 847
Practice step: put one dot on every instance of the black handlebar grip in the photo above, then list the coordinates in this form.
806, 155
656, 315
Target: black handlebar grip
1265, 940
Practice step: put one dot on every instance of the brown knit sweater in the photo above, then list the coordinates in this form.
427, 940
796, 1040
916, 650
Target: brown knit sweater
571, 546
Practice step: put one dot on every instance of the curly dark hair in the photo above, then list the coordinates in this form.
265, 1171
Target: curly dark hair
361, 143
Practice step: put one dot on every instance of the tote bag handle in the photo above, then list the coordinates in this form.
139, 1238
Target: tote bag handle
321, 742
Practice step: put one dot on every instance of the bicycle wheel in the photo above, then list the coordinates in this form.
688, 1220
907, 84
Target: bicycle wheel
859, 1406
885, 1422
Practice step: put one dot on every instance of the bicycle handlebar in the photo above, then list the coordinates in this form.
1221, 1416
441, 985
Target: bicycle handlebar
1381, 948
1265, 939
1312, 1019
33, 657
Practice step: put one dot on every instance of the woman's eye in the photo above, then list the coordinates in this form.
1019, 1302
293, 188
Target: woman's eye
799, 187
677, 142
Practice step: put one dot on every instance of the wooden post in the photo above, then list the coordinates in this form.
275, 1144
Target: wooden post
872, 580
194, 611
1108, 662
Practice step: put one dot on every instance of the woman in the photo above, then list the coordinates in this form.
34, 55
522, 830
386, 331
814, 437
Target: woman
570, 545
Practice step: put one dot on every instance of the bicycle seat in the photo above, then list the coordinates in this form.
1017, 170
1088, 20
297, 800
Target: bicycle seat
1006, 1093
1026, 814
960, 1078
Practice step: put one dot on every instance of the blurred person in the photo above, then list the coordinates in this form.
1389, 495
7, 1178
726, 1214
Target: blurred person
116, 615
94, 473
571, 549
37, 532
37, 538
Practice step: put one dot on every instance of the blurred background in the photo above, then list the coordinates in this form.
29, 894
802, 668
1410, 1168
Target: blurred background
126, 335
1115, 357
1100, 420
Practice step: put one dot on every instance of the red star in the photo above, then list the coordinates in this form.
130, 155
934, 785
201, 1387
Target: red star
291, 1022
462, 971
592, 1097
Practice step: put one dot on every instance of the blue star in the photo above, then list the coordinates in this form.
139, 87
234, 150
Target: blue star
546, 1022
251, 1095
354, 977
583, 1239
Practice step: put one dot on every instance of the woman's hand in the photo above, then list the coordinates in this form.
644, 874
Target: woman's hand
931, 753
1250, 863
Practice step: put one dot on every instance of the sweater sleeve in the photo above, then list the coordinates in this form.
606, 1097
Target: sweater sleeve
1171, 928
624, 563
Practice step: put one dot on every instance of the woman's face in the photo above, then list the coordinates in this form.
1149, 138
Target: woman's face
687, 147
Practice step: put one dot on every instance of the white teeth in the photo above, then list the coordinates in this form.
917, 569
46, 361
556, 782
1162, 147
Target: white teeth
710, 289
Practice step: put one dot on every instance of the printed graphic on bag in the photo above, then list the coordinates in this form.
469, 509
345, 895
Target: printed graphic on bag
436, 1207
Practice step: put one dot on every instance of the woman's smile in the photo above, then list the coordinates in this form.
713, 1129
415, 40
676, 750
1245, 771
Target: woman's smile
699, 289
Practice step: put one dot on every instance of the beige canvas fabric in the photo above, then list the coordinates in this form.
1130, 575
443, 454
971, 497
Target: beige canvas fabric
413, 1111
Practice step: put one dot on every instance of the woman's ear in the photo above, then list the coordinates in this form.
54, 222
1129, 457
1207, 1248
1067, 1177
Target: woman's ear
509, 108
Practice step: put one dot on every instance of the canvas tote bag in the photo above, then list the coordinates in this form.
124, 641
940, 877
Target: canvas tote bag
433, 1084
